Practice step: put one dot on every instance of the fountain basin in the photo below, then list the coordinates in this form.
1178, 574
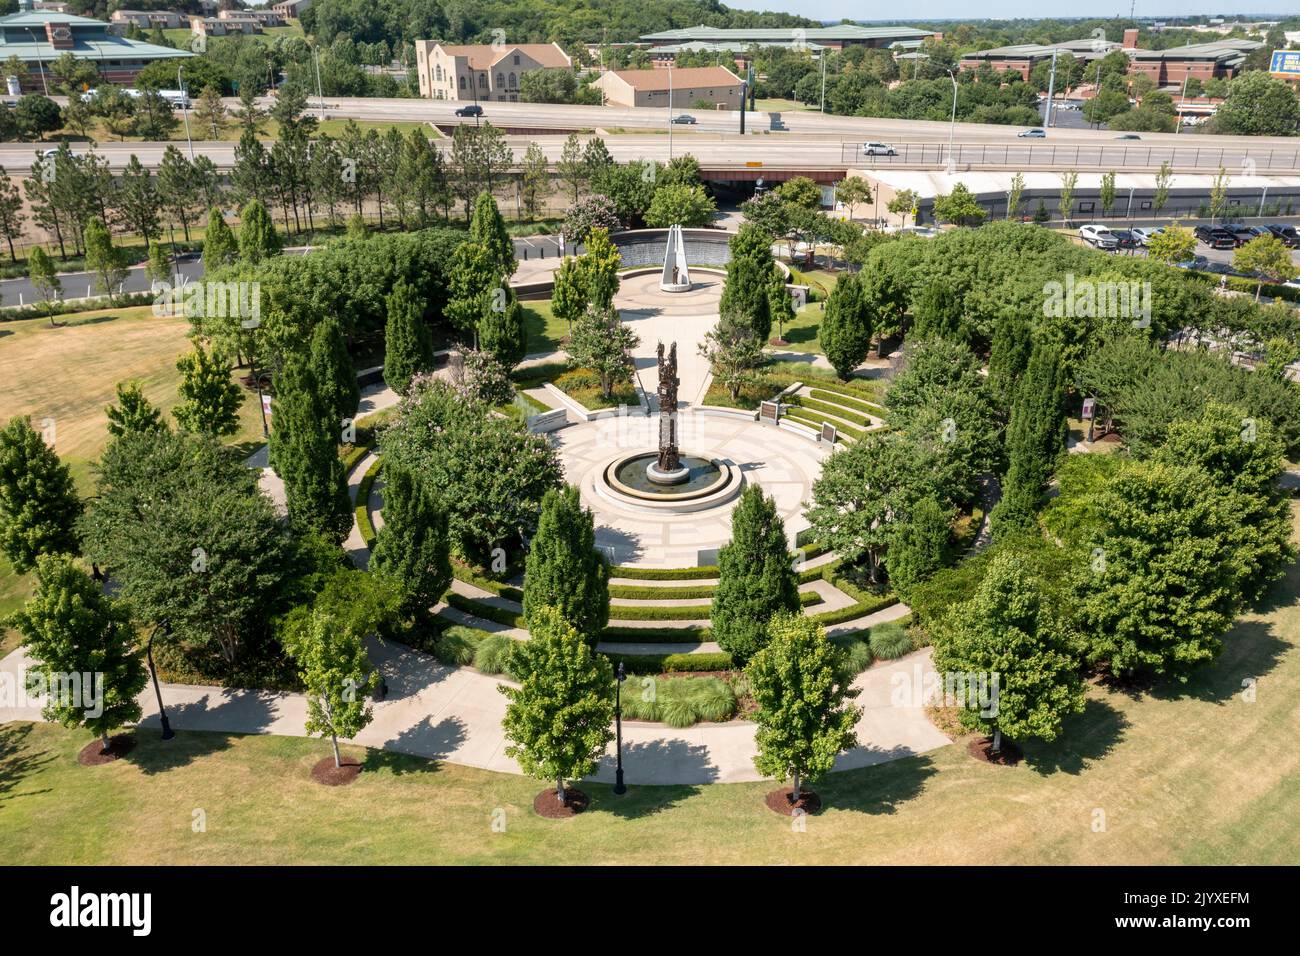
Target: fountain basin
708, 482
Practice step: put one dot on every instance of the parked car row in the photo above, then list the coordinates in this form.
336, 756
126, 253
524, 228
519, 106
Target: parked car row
1232, 236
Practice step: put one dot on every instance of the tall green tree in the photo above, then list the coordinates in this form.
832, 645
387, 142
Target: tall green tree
1008, 633
336, 378
756, 577
408, 349
805, 717
133, 412
938, 312
11, 213
749, 274
411, 549
1008, 359
488, 229
501, 331
39, 506
136, 202
559, 720
1035, 440
74, 631
563, 571
599, 267
569, 292
220, 247
209, 399
847, 326
337, 677
918, 548
258, 239
602, 342
45, 280
105, 260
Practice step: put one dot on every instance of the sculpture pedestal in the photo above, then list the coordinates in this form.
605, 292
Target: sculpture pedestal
675, 477
676, 276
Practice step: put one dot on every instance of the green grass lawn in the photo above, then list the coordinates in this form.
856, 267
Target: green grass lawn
1184, 775
778, 105
802, 333
544, 330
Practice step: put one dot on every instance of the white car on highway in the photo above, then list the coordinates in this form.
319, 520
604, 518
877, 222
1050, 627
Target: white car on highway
1098, 235
878, 149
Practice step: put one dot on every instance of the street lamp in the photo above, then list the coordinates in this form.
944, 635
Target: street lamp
167, 732
39, 62
1182, 105
952, 123
620, 787
185, 107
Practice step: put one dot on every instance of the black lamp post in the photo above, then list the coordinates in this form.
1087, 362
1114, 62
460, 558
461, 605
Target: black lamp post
620, 787
167, 732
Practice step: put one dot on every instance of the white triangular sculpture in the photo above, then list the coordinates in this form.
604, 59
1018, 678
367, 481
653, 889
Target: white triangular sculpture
676, 277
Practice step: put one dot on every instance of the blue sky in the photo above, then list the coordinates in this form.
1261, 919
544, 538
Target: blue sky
1007, 9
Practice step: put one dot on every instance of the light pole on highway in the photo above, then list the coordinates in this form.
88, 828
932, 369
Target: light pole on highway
40, 63
1051, 91
823, 59
952, 122
670, 112
320, 97
185, 108
1182, 102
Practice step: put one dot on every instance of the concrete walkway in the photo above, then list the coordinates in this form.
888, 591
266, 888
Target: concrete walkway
454, 714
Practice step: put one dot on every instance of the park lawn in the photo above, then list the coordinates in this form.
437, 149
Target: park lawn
543, 329
1183, 775
803, 334
777, 104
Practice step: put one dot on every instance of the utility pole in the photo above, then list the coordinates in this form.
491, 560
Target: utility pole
320, 97
1051, 89
1182, 103
823, 59
952, 123
670, 113
185, 108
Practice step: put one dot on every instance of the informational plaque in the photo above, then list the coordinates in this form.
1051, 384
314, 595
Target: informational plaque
769, 412
1088, 404
828, 433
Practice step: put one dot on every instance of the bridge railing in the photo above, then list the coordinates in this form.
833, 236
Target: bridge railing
1236, 160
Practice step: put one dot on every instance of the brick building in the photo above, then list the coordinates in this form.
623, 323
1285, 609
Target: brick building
481, 73
715, 85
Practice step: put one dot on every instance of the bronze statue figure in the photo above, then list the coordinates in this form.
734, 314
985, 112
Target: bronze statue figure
669, 460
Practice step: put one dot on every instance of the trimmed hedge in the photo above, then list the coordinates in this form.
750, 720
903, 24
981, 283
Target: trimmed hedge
812, 418
688, 612
703, 573
655, 635
463, 572
497, 615
839, 398
364, 524
840, 388
672, 663
835, 411
632, 592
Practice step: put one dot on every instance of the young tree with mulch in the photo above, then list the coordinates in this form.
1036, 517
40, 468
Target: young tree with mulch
337, 677
564, 571
1007, 632
411, 548
209, 399
559, 719
84, 641
847, 326
600, 341
408, 350
45, 280
39, 506
734, 352
756, 577
133, 412
805, 718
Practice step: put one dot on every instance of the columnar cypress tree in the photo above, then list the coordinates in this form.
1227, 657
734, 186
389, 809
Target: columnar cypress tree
39, 506
408, 350
847, 326
1035, 439
220, 247
332, 365
1008, 358
133, 412
563, 569
71, 628
304, 452
411, 548
501, 330
917, 550
756, 577
938, 312
487, 228
749, 274
258, 239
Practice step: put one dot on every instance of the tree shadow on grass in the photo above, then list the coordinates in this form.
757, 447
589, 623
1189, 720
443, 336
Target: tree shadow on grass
19, 759
1084, 738
94, 320
645, 796
798, 335
878, 789
1250, 650
151, 754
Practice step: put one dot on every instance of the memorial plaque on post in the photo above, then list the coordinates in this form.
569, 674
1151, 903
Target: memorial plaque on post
769, 412
1088, 404
828, 433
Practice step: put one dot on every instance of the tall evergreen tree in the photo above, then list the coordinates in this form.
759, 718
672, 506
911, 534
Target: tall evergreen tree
501, 329
336, 377
1008, 358
133, 412
304, 453
408, 350
39, 506
72, 628
756, 577
220, 247
258, 239
563, 569
209, 399
917, 550
938, 312
136, 202
105, 260
847, 326
411, 548
11, 213
1035, 440
749, 273
488, 229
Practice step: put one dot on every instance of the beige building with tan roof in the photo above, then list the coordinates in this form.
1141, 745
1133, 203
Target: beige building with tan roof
715, 85
484, 72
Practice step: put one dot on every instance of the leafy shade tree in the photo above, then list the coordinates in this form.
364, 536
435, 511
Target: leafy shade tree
501, 331
918, 548
1165, 578
105, 260
569, 292
45, 280
73, 629
683, 205
220, 247
848, 325
336, 378
558, 721
488, 229
1174, 244
1266, 256
1258, 105
756, 577
801, 191
959, 207
209, 399
599, 267
749, 274
304, 453
39, 506
938, 312
1035, 439
337, 677
258, 239
408, 349
904, 204
601, 342
853, 192
805, 716
1008, 633
411, 548
564, 572
734, 353
133, 412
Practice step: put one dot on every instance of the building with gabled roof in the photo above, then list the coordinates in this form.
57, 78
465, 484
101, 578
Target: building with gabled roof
482, 72
715, 85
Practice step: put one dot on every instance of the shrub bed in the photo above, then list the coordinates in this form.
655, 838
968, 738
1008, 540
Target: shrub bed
364, 524
488, 612
703, 573
812, 418
672, 663
680, 701
835, 411
890, 641
624, 612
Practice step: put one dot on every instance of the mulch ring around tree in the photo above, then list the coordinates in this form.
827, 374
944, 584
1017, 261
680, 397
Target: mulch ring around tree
325, 772
94, 754
981, 748
546, 804
781, 801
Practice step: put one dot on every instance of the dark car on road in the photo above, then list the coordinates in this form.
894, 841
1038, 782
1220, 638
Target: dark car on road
472, 110
1286, 233
1216, 237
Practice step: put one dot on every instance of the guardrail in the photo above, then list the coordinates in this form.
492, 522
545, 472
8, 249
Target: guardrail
1237, 160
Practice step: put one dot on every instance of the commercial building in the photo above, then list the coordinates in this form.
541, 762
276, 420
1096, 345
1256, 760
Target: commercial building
38, 38
665, 45
224, 26
1217, 59
715, 85
289, 9
148, 19
481, 73
1021, 58
268, 18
